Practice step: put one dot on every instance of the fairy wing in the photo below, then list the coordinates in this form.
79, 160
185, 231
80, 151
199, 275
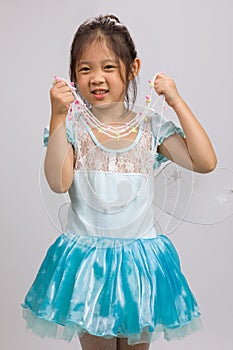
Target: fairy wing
187, 195
194, 197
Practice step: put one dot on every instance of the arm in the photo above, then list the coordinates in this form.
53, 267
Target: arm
195, 150
59, 160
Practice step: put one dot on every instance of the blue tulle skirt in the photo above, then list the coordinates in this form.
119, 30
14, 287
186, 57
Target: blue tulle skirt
111, 287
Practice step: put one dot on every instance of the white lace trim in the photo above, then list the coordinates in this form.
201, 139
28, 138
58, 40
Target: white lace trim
139, 158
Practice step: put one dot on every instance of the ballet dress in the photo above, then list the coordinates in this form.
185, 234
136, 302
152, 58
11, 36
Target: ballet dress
111, 273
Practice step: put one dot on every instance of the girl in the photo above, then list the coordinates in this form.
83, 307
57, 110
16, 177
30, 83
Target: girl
110, 277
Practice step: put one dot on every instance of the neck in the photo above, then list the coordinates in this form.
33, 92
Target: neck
111, 112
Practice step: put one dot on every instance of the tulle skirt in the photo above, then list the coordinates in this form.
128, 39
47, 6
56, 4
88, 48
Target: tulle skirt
111, 287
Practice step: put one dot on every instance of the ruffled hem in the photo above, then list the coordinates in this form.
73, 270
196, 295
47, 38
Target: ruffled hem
88, 286
49, 329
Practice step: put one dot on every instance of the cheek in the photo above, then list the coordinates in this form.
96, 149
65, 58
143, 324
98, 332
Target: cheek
82, 85
82, 91
117, 81
79, 77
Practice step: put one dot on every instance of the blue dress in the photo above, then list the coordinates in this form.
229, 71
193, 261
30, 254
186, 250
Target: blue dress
111, 274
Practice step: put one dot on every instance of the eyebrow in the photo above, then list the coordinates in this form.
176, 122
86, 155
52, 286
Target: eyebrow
104, 61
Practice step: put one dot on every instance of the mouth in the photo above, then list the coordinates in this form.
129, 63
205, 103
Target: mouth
99, 94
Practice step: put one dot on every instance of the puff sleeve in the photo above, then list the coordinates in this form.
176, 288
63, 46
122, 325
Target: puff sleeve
69, 133
162, 129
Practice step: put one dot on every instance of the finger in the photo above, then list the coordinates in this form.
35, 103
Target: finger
57, 80
62, 97
160, 92
61, 89
62, 86
64, 89
68, 97
59, 83
159, 89
160, 76
159, 84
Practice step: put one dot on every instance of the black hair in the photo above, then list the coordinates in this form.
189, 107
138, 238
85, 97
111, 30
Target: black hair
109, 29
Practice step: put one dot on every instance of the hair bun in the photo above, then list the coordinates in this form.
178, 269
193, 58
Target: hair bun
111, 18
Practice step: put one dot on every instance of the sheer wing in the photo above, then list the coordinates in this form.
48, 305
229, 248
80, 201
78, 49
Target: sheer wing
193, 197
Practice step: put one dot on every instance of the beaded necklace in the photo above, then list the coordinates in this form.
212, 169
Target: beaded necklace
113, 131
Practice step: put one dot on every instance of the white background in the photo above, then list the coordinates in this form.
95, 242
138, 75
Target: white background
189, 40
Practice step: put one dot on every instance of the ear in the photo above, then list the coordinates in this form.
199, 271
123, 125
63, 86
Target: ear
135, 68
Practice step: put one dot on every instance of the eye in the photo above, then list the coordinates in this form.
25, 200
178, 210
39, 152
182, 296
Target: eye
109, 67
84, 69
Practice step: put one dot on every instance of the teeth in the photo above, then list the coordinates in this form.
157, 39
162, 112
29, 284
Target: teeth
99, 92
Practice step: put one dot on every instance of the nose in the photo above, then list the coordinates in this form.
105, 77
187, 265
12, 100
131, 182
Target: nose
97, 78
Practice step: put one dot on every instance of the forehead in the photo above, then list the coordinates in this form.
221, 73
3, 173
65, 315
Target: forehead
98, 49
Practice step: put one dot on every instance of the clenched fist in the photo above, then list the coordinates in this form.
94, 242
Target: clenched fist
61, 97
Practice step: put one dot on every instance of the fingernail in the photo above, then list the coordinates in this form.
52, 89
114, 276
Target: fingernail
57, 78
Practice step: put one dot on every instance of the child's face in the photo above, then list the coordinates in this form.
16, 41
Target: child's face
99, 75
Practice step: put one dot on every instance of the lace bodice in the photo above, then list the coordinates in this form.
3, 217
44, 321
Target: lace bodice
91, 155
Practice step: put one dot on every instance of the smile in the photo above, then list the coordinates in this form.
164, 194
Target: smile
99, 94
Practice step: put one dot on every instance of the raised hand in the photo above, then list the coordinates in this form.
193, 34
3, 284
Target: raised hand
61, 97
165, 85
